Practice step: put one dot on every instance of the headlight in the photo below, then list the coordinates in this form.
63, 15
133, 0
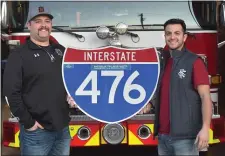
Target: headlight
113, 133
121, 28
114, 40
102, 32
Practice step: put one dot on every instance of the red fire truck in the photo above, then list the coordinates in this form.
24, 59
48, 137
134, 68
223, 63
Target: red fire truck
97, 24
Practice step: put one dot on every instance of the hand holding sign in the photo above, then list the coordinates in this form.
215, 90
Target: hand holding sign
146, 109
71, 102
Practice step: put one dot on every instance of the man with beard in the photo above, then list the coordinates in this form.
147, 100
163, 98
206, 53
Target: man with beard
183, 105
35, 91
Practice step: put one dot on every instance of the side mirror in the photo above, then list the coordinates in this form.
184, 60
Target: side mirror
222, 13
4, 15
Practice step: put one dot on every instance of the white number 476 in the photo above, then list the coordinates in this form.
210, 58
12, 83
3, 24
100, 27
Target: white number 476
94, 92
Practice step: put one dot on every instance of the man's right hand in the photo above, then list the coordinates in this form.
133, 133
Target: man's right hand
146, 109
36, 126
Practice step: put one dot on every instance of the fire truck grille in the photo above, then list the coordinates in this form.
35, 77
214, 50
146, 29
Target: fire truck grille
136, 117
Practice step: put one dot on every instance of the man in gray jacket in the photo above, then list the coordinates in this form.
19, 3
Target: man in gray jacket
183, 105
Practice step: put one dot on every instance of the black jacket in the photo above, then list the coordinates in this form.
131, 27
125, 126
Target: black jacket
34, 86
185, 102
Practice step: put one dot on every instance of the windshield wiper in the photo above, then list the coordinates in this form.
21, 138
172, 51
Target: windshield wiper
80, 38
92, 27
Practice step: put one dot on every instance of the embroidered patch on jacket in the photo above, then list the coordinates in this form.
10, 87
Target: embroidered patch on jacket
182, 73
59, 52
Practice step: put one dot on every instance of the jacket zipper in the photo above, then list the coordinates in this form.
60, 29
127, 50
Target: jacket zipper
175, 62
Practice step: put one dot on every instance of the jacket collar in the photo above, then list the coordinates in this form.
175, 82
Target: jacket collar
177, 53
34, 46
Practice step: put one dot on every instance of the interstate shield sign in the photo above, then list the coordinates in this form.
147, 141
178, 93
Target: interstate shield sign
110, 84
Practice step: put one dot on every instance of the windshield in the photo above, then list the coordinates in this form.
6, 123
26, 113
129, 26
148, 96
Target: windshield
85, 14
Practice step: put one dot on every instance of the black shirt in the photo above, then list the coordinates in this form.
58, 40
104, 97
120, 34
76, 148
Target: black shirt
34, 86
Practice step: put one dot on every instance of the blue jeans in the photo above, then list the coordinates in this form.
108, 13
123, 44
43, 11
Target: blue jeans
170, 146
44, 143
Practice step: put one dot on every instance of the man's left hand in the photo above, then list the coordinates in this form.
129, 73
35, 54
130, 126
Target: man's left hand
202, 138
71, 102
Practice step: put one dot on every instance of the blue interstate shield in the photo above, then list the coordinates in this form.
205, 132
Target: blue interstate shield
111, 84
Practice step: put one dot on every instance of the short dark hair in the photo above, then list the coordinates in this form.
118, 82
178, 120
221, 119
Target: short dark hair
176, 21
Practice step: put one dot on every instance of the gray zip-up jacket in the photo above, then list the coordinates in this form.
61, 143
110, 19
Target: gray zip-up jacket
185, 102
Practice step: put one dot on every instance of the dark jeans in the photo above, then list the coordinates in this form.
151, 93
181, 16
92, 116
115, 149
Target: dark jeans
170, 146
42, 142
